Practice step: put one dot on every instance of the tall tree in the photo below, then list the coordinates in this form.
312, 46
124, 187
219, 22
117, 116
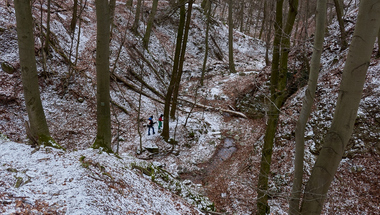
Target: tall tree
181, 61
306, 107
74, 17
150, 24
112, 7
231, 37
37, 120
278, 96
137, 18
265, 14
262, 186
269, 33
47, 43
173, 79
350, 93
103, 115
208, 14
242, 7
82, 7
339, 13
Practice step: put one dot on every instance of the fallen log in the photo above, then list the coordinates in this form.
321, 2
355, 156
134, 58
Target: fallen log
216, 109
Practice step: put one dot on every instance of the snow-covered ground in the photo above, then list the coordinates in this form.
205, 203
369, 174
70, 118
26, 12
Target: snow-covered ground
79, 182
217, 154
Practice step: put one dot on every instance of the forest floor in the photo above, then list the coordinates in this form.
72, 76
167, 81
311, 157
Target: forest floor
218, 151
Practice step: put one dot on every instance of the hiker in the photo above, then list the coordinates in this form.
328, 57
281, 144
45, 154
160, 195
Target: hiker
150, 124
160, 121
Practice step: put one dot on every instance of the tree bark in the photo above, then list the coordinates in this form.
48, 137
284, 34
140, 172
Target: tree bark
112, 7
38, 126
206, 42
285, 49
349, 96
74, 17
181, 61
242, 16
103, 115
264, 19
231, 38
168, 98
278, 96
150, 24
262, 186
268, 36
339, 10
135, 26
47, 29
82, 7
308, 100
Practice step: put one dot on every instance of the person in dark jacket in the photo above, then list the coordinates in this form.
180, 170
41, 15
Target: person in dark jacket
150, 124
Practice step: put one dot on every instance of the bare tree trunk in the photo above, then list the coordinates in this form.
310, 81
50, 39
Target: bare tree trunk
74, 17
285, 48
82, 7
248, 23
43, 54
47, 29
137, 18
112, 6
268, 36
231, 38
139, 114
278, 96
38, 126
206, 42
308, 100
168, 98
262, 185
242, 16
181, 61
350, 93
206, 6
150, 24
343, 40
103, 116
264, 19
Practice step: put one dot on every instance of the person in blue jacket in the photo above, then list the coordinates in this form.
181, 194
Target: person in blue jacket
150, 124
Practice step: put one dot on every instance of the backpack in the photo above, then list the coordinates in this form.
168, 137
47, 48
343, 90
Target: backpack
150, 123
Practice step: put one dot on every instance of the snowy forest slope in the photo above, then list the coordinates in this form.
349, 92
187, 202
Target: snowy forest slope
217, 153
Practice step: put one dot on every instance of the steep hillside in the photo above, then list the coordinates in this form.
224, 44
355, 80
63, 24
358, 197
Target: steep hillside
217, 153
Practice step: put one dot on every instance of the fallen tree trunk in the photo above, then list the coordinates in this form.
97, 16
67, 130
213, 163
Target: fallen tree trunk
216, 109
130, 86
